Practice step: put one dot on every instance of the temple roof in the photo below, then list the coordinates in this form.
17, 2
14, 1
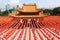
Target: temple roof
28, 8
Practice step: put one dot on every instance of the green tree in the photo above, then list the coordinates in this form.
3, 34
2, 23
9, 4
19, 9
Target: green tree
5, 13
56, 11
48, 11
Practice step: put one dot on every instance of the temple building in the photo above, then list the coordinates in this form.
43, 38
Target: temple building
28, 10
29, 23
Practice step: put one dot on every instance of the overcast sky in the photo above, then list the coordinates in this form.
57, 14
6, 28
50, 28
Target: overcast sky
40, 3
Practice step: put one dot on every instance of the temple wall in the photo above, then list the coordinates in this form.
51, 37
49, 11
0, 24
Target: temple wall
30, 8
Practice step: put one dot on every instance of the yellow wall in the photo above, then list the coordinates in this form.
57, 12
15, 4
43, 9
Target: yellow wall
30, 8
